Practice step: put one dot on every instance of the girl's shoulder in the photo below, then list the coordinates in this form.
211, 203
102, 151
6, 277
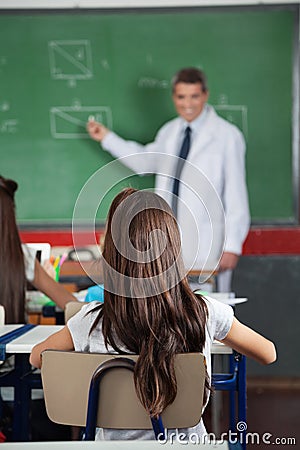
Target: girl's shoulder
82, 331
88, 312
220, 318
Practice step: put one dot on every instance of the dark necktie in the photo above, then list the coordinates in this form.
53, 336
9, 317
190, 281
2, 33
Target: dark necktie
184, 151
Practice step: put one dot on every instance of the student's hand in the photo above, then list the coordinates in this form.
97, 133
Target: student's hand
96, 130
48, 267
228, 261
61, 340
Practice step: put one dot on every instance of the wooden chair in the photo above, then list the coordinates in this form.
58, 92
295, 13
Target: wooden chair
73, 383
234, 381
71, 309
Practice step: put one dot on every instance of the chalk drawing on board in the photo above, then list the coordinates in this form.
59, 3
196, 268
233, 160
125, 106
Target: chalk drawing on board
236, 114
69, 122
4, 106
105, 64
152, 83
70, 60
9, 126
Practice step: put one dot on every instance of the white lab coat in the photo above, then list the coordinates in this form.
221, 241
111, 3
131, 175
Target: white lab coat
213, 212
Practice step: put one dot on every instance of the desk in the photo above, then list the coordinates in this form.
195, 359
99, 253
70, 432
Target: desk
218, 366
24, 379
25, 343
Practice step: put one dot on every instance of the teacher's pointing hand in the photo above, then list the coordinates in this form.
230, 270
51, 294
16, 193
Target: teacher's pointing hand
96, 130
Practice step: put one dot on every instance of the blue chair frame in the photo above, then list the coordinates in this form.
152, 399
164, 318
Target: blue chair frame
235, 383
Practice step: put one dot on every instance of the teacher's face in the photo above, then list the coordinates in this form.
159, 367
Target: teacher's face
189, 100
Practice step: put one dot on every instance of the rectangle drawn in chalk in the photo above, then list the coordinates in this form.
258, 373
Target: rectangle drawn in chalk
69, 122
70, 60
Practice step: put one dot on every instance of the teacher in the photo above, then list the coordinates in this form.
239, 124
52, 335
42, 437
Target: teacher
200, 139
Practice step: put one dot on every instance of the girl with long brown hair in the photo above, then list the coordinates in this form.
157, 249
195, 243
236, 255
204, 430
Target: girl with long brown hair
149, 308
17, 263
12, 267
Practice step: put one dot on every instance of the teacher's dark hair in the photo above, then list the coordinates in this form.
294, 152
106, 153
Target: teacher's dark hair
190, 75
12, 273
157, 325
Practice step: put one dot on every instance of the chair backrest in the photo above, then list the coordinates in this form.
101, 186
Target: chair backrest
66, 379
71, 308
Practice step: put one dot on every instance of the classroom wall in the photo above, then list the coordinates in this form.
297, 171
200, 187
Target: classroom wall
271, 284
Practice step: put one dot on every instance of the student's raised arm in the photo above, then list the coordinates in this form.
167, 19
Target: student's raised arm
56, 291
251, 344
61, 340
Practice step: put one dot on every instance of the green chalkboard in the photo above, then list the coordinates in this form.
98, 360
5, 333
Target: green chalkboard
57, 68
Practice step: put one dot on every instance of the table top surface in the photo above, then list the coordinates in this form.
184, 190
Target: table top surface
224, 297
26, 342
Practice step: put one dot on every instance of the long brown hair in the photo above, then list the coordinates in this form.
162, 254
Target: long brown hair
148, 305
12, 269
